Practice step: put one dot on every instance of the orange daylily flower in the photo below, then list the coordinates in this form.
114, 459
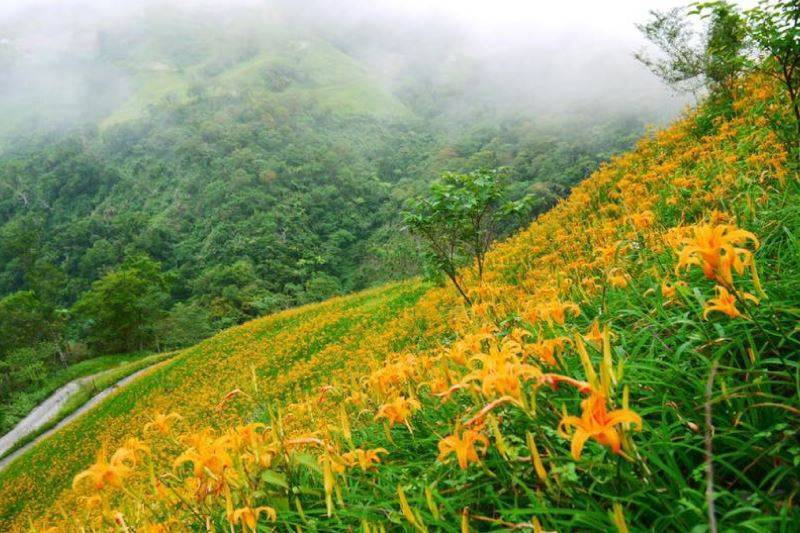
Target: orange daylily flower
594, 335
668, 290
248, 435
398, 410
357, 397
107, 473
137, 448
163, 527
607, 254
554, 311
715, 249
642, 220
248, 516
546, 349
333, 462
618, 278
725, 302
211, 460
162, 422
463, 447
501, 372
365, 459
597, 423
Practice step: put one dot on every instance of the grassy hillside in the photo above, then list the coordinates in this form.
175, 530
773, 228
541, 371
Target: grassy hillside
308, 69
630, 350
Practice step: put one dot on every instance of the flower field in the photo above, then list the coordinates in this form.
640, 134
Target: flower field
629, 363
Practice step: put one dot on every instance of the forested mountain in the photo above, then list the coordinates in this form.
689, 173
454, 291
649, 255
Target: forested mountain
199, 168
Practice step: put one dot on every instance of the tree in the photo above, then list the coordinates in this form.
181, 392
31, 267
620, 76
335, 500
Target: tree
24, 354
459, 220
185, 324
24, 366
22, 321
774, 28
320, 287
120, 311
692, 59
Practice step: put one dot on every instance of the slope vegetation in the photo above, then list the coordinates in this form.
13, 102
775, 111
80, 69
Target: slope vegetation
630, 362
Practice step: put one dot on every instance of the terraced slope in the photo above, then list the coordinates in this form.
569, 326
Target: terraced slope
630, 363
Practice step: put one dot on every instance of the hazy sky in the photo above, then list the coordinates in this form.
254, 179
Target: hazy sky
488, 21
527, 54
612, 16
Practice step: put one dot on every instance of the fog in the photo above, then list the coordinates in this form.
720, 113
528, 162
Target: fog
505, 57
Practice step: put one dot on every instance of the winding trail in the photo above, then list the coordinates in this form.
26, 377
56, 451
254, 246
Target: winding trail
48, 409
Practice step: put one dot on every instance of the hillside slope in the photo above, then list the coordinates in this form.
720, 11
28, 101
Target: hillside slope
657, 304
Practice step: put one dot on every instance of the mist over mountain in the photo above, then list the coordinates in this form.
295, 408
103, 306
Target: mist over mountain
67, 64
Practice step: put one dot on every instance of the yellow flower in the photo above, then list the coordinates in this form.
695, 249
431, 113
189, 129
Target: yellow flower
162, 422
715, 250
163, 527
668, 289
248, 435
211, 460
618, 278
642, 220
107, 473
552, 311
595, 422
365, 459
463, 447
501, 372
136, 448
398, 410
546, 349
357, 397
248, 516
725, 302
607, 254
594, 335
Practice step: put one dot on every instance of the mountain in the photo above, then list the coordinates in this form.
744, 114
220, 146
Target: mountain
604, 366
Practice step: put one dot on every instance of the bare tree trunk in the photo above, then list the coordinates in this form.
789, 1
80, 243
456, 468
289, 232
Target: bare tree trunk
454, 279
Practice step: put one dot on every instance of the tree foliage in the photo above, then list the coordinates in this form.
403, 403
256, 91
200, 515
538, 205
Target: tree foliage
775, 31
459, 219
692, 59
120, 311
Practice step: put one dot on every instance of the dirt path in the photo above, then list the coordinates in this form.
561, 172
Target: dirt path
51, 407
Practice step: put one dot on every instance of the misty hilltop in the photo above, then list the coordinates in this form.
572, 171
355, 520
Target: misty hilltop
112, 65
